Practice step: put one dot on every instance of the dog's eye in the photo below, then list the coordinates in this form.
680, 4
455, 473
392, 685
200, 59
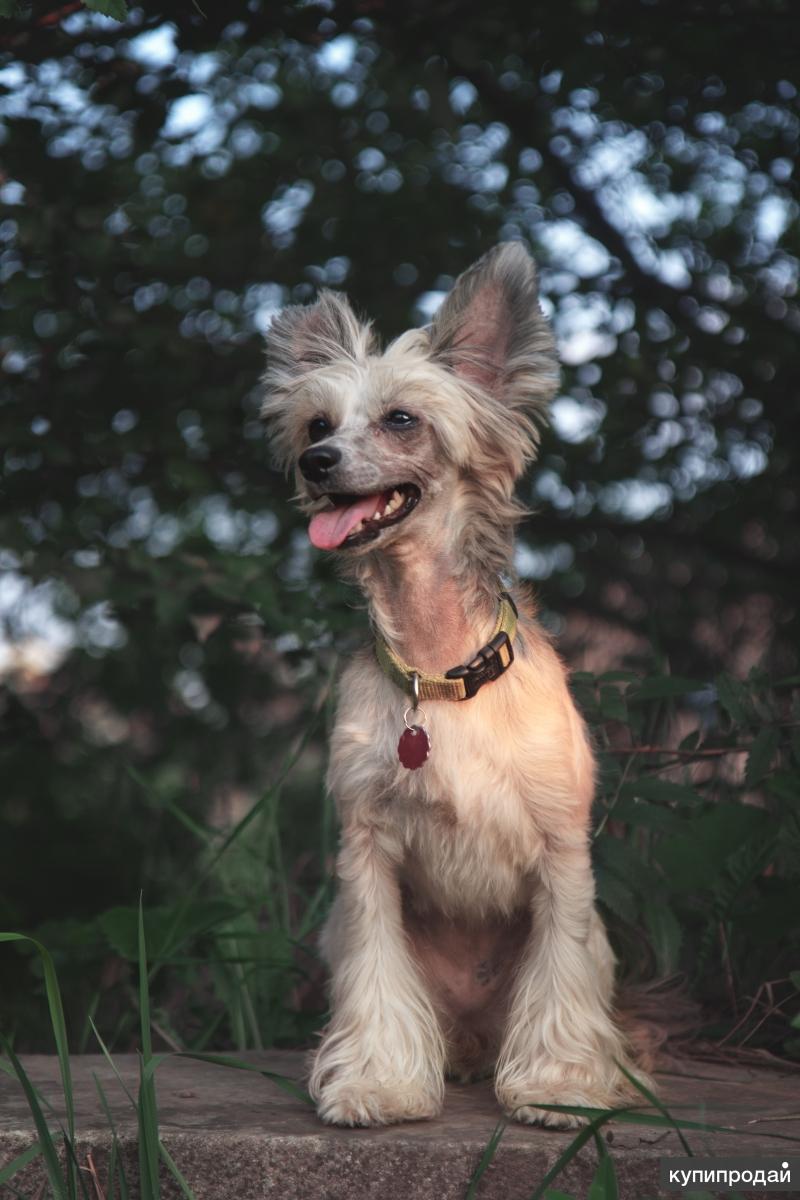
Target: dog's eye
318, 429
398, 418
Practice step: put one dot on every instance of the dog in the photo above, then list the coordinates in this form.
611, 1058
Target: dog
464, 936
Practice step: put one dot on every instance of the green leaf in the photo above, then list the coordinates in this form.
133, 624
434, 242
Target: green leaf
167, 928
694, 861
647, 816
734, 698
616, 896
794, 979
666, 935
612, 704
773, 917
662, 791
761, 754
662, 687
617, 855
117, 9
785, 785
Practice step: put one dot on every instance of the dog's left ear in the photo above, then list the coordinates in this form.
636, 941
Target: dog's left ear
491, 331
316, 335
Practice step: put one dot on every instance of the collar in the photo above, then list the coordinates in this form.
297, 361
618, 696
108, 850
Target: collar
462, 682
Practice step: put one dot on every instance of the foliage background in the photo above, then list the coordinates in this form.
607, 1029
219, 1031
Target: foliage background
168, 638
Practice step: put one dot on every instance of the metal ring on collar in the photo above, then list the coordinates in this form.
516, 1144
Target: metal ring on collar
421, 716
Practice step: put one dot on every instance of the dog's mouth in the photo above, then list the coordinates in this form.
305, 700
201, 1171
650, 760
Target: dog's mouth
352, 519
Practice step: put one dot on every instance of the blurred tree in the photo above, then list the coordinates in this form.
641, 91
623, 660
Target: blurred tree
170, 181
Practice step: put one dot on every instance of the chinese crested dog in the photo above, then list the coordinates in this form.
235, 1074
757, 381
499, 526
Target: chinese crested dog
464, 936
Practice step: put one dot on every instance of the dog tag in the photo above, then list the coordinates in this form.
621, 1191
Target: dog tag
414, 747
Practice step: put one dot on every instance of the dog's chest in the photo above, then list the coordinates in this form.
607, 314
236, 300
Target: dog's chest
473, 821
471, 844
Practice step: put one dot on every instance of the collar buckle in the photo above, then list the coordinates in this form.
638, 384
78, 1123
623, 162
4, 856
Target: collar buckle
488, 664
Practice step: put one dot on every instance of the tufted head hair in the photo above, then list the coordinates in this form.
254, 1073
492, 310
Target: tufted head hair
477, 380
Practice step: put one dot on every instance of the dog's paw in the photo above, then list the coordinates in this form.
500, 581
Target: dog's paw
524, 1102
529, 1114
361, 1102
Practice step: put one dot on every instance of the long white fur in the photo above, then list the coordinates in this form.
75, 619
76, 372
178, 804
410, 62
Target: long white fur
493, 831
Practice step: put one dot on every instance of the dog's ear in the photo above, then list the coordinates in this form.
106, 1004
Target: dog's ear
490, 330
301, 338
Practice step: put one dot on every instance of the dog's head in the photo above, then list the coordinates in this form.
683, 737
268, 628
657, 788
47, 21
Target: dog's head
427, 436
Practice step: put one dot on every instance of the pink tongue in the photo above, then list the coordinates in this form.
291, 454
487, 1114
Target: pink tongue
329, 529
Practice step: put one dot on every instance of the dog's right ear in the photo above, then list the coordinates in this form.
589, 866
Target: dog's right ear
490, 331
302, 338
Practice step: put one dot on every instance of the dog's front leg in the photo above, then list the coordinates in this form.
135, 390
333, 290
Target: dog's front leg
381, 1058
560, 1044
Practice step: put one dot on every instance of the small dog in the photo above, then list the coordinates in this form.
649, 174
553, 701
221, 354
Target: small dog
464, 935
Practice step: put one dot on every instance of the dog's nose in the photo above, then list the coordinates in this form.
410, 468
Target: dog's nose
316, 461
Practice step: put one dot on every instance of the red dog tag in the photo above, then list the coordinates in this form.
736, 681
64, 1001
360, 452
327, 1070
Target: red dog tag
414, 747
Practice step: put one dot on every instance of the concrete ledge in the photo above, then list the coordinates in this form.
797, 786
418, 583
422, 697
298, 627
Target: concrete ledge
236, 1136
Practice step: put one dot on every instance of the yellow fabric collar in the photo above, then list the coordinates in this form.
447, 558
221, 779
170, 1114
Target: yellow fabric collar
459, 683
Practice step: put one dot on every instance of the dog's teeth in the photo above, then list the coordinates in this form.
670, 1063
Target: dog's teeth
376, 515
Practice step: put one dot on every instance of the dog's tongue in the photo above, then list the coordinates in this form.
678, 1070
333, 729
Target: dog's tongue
328, 529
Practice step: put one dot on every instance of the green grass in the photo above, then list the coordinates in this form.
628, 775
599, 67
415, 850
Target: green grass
56, 1144
697, 864
692, 875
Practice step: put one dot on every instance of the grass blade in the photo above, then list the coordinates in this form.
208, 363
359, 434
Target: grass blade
112, 1168
144, 993
604, 1185
271, 795
577, 1143
201, 832
115, 1161
146, 1107
237, 1064
148, 1138
486, 1158
174, 1171
656, 1103
10, 1169
111, 1063
124, 1190
71, 1157
47, 1145
104, 1104
630, 1115
53, 993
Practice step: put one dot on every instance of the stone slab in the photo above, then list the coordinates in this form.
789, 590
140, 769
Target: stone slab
237, 1136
